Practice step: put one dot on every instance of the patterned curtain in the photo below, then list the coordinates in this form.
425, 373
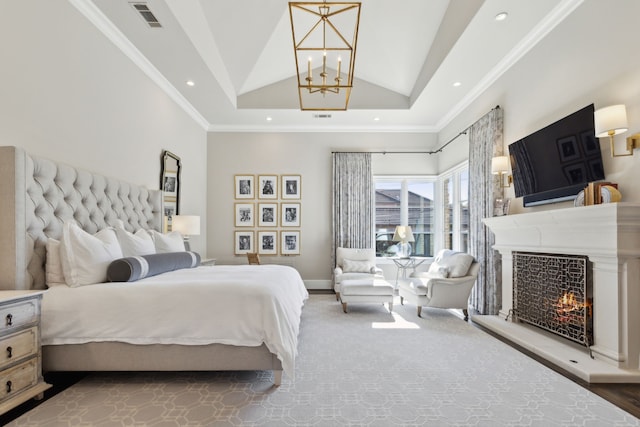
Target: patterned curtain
485, 142
352, 201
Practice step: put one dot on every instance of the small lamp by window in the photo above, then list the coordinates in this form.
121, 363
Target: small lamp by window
187, 225
612, 120
500, 166
404, 235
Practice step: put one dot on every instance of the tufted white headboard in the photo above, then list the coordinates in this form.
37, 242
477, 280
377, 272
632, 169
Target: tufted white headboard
38, 195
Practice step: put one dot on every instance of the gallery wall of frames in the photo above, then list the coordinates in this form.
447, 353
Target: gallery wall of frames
267, 214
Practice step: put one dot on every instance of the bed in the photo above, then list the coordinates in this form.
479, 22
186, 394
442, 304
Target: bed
176, 321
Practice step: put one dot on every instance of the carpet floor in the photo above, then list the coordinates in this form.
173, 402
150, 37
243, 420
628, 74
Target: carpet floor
365, 368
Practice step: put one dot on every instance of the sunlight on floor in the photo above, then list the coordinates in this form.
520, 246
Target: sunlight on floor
399, 322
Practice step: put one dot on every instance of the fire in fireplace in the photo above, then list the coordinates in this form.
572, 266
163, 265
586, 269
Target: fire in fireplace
553, 292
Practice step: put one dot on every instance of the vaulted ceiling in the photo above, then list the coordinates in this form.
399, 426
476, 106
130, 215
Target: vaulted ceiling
419, 63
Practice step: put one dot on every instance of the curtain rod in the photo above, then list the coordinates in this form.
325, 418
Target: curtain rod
463, 132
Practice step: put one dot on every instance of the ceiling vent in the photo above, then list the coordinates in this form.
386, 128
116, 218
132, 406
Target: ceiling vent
322, 116
146, 14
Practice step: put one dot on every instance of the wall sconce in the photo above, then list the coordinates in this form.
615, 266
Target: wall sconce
500, 166
612, 120
187, 225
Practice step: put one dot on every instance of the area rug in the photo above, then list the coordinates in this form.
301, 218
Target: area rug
368, 367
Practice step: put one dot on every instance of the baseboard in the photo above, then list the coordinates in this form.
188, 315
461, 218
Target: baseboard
318, 284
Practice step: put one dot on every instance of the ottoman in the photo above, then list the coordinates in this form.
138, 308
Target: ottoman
371, 290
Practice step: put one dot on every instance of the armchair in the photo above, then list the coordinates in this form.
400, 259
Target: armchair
447, 284
354, 264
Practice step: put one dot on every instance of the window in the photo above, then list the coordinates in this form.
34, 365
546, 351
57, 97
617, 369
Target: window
402, 201
436, 208
455, 192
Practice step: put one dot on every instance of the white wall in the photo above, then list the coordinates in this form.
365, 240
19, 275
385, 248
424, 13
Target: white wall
68, 94
309, 155
592, 57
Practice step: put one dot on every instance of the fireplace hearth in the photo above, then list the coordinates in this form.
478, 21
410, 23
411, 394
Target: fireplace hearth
554, 292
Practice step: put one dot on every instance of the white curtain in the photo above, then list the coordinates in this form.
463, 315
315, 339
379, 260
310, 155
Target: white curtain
352, 201
485, 142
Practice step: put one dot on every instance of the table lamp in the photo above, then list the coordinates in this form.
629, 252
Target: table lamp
403, 235
187, 225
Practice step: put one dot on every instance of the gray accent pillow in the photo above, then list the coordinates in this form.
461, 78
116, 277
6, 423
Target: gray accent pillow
130, 269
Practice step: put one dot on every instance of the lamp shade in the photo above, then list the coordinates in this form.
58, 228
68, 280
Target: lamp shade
610, 120
499, 164
403, 234
187, 225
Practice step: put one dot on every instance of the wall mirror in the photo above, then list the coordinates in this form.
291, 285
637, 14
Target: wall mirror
170, 183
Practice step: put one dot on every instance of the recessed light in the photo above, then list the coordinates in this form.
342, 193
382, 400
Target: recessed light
501, 16
376, 119
457, 84
269, 118
190, 83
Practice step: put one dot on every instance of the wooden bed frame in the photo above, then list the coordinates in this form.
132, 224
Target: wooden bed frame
37, 196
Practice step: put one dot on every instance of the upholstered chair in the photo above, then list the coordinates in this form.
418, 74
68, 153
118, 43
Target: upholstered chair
354, 264
447, 284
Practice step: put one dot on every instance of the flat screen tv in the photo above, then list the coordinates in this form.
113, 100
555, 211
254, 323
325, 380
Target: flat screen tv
556, 162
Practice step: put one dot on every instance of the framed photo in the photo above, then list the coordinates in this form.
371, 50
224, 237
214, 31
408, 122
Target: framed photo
244, 187
267, 214
290, 242
291, 186
568, 148
170, 184
268, 242
290, 214
244, 214
169, 207
244, 242
267, 186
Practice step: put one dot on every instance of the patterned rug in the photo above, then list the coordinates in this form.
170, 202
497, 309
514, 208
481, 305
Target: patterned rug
364, 368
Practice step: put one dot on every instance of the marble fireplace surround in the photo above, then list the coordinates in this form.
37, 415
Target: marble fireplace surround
609, 234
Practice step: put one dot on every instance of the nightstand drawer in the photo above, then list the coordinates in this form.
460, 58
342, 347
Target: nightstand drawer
18, 346
18, 314
18, 378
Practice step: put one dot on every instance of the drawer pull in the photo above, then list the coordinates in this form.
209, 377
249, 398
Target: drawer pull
9, 319
9, 384
9, 352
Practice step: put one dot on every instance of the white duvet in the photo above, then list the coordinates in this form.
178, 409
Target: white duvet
244, 305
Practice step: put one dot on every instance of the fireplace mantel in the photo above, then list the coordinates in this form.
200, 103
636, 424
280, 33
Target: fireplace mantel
609, 234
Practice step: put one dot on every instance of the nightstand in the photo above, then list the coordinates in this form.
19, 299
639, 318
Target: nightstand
20, 353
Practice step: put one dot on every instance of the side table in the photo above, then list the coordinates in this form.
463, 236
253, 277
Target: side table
406, 263
21, 362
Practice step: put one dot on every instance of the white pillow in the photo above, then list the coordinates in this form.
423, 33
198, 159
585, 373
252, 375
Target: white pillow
53, 265
457, 263
170, 242
85, 258
438, 271
135, 244
352, 266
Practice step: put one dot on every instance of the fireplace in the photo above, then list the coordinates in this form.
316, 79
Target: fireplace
608, 237
554, 292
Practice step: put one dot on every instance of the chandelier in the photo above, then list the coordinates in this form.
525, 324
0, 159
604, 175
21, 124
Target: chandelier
324, 43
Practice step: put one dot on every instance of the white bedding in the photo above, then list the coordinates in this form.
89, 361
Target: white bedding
244, 305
